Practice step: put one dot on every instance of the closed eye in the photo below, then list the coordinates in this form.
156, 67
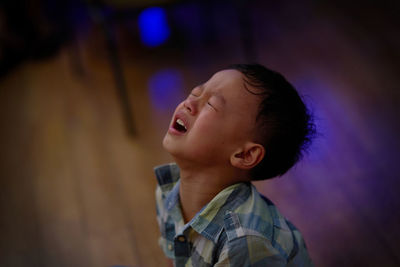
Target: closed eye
208, 103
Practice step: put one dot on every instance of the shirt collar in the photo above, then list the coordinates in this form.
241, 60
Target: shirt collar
167, 176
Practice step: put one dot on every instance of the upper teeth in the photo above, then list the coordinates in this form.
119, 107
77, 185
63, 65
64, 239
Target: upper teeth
180, 122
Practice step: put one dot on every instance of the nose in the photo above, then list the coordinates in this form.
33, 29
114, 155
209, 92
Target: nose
190, 105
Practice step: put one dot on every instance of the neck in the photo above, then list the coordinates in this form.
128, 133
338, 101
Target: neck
198, 186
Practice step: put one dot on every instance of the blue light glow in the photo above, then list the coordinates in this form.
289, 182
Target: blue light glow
166, 89
153, 26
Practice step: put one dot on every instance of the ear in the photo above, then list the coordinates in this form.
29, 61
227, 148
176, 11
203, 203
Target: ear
248, 156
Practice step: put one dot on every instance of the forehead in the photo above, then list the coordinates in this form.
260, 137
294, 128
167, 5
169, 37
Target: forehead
230, 84
226, 78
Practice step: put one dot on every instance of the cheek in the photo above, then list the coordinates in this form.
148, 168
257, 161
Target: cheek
211, 134
207, 124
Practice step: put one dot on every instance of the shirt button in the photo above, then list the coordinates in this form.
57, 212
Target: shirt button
181, 238
169, 247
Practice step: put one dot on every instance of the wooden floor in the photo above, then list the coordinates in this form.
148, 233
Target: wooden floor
77, 190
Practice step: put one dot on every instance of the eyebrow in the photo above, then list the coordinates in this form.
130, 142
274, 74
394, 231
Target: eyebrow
220, 96
201, 87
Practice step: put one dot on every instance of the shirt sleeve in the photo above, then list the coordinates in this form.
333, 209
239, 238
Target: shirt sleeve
162, 242
159, 204
250, 250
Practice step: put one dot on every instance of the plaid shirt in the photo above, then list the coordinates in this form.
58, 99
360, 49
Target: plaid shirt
238, 227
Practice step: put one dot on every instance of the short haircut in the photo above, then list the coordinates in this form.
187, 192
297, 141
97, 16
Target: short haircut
284, 124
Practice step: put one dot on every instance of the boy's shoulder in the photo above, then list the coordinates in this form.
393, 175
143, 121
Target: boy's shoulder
238, 214
259, 218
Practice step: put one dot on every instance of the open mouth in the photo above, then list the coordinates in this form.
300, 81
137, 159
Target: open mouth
179, 125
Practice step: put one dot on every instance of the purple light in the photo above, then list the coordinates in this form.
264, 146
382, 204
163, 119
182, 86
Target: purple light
166, 89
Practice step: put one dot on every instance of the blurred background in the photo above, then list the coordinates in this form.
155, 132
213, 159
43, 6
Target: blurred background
87, 89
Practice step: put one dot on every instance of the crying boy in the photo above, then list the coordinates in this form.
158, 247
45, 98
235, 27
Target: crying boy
246, 123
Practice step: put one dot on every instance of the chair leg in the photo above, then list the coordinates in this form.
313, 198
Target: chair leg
117, 70
112, 51
75, 58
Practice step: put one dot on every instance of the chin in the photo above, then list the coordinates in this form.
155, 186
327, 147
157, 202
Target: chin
168, 145
174, 149
165, 142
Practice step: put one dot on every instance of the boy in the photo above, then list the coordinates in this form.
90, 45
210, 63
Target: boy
246, 123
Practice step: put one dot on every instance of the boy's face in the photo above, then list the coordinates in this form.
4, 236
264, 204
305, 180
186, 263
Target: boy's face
216, 119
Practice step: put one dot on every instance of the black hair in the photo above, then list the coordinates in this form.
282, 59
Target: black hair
284, 124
